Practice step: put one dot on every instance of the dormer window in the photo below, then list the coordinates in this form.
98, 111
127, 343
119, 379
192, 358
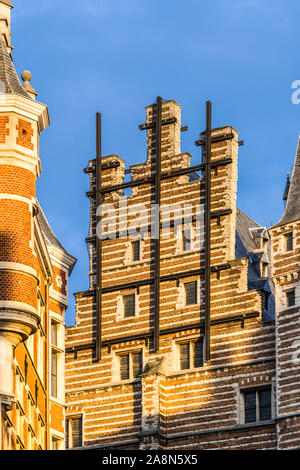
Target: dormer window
289, 242
264, 270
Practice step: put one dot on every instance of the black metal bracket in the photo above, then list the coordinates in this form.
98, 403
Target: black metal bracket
177, 329
216, 139
163, 122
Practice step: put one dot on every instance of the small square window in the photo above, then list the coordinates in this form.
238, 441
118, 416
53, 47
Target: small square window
290, 297
129, 305
289, 242
131, 365
191, 354
136, 250
191, 293
257, 405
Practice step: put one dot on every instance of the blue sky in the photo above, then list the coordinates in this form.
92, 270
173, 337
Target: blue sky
116, 56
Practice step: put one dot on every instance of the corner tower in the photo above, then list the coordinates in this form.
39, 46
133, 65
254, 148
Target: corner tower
285, 239
22, 119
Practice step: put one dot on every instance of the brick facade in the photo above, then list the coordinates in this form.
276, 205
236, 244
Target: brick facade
32, 300
167, 406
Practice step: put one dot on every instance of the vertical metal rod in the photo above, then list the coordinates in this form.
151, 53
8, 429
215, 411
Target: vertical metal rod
207, 229
98, 242
157, 231
1, 427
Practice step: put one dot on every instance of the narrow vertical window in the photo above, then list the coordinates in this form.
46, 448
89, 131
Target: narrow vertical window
250, 407
198, 353
136, 250
54, 374
77, 432
186, 239
73, 432
191, 293
185, 356
289, 242
265, 411
129, 305
137, 364
124, 367
54, 327
290, 296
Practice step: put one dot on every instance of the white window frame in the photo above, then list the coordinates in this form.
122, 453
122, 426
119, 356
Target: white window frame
59, 350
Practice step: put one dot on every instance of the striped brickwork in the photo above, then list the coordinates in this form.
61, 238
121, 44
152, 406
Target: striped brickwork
166, 407
286, 273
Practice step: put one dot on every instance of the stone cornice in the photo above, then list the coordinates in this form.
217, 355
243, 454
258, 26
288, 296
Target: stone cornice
28, 108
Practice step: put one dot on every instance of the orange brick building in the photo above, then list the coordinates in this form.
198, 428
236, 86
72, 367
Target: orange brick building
168, 351
34, 270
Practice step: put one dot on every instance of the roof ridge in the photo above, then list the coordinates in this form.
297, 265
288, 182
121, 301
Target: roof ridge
259, 225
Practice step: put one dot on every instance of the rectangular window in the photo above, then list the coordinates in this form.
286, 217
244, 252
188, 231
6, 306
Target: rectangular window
257, 405
186, 238
198, 353
264, 270
129, 305
191, 354
131, 365
191, 293
54, 336
265, 410
124, 367
54, 374
290, 297
136, 250
250, 407
289, 242
137, 364
40, 354
56, 443
185, 362
73, 432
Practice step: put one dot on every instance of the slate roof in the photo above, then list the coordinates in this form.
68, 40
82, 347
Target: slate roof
292, 208
245, 248
49, 236
10, 83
